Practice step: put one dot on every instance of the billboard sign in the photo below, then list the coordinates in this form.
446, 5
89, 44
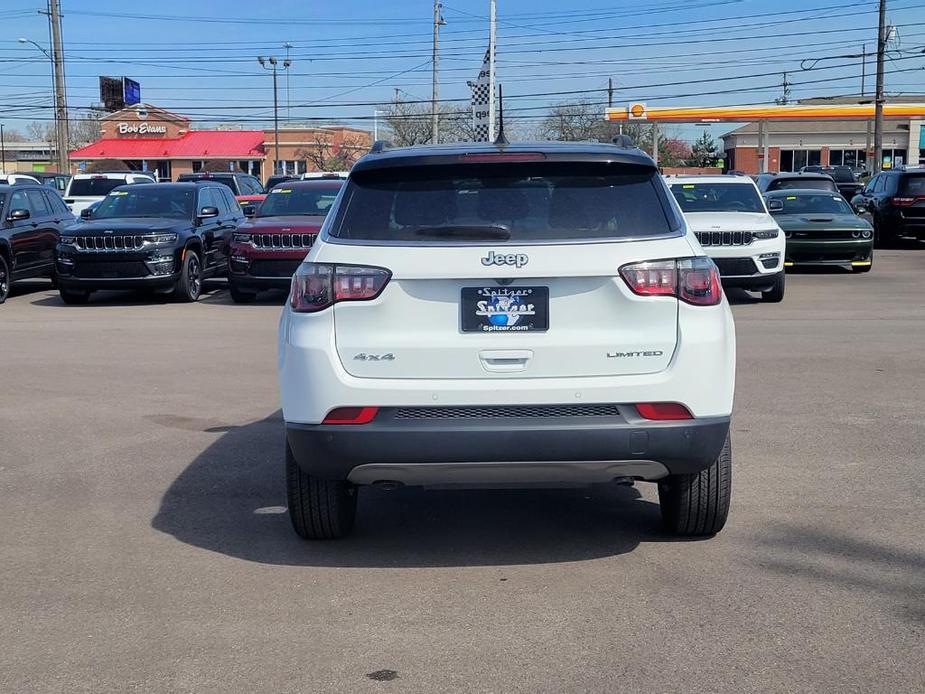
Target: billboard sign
131, 92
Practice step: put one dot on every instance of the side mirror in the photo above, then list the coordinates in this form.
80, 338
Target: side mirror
775, 205
86, 213
249, 210
207, 212
18, 215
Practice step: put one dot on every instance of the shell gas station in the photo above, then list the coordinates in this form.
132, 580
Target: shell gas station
776, 138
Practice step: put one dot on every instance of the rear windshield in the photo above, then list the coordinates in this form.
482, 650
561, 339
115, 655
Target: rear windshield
717, 197
913, 185
283, 201
842, 175
94, 186
802, 184
813, 204
511, 202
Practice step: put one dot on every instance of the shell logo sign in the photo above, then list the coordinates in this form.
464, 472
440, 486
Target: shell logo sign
636, 111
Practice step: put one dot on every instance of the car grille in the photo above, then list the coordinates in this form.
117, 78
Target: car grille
125, 269
725, 238
114, 242
283, 240
274, 268
822, 235
507, 411
735, 266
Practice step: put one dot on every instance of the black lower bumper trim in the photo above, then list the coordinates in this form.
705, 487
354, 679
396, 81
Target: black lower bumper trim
250, 283
333, 451
756, 283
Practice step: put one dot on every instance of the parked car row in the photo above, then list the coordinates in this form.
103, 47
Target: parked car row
801, 220
157, 237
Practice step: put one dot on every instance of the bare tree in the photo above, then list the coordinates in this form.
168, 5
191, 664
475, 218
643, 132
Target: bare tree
574, 122
40, 131
84, 130
13, 135
409, 123
325, 153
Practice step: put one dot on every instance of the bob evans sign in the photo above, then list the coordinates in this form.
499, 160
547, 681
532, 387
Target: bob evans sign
141, 129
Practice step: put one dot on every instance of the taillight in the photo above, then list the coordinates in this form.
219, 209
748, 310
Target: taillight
692, 280
903, 202
317, 286
663, 411
351, 415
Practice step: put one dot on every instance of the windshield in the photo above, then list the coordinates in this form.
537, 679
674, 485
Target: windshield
813, 204
913, 185
95, 186
298, 201
515, 202
717, 197
147, 202
802, 184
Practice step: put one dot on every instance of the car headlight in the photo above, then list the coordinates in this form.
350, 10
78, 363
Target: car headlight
165, 238
766, 234
241, 238
865, 234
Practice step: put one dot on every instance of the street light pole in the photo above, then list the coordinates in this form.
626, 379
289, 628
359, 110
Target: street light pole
272, 61
54, 90
2, 151
287, 46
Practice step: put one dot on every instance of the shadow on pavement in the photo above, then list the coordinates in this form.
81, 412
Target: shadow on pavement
129, 297
818, 555
231, 499
30, 286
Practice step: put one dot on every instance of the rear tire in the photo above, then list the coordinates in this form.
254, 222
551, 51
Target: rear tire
189, 286
698, 504
239, 296
74, 298
776, 293
319, 509
5, 280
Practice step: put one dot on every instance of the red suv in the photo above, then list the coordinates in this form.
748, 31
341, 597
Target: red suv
267, 249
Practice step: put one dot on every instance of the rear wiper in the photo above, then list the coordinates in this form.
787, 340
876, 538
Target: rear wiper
468, 231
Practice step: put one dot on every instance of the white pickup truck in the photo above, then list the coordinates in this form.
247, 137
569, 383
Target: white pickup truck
85, 189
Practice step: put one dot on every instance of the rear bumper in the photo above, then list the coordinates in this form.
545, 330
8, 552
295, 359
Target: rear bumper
256, 283
755, 283
507, 451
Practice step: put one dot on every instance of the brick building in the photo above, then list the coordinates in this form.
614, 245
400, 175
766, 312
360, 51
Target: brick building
148, 138
793, 144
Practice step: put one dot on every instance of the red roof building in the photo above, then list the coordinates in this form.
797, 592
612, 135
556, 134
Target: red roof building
148, 138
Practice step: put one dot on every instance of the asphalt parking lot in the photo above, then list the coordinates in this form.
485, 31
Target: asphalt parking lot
145, 546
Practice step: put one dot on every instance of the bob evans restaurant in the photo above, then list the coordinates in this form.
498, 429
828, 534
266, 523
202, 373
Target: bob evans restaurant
148, 138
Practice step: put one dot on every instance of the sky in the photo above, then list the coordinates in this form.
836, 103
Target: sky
200, 58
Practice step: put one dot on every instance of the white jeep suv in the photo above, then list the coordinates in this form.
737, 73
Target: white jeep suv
530, 314
732, 223
83, 190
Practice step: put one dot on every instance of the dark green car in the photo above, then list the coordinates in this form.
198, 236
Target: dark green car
822, 229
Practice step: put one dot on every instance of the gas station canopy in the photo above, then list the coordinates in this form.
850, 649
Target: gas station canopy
790, 112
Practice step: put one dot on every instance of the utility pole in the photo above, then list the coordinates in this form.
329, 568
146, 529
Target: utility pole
287, 46
2, 151
784, 98
867, 157
435, 62
492, 24
272, 61
878, 98
655, 143
57, 53
610, 92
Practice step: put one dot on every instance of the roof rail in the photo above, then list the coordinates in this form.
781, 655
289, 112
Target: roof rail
624, 141
380, 146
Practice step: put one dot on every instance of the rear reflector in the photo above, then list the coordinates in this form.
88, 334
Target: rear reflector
663, 411
351, 415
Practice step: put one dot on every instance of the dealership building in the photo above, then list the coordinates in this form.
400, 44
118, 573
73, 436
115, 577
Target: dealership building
793, 144
148, 138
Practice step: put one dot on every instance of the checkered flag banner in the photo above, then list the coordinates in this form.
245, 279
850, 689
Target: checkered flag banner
481, 93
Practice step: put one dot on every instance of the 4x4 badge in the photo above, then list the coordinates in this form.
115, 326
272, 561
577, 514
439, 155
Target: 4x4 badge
515, 259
